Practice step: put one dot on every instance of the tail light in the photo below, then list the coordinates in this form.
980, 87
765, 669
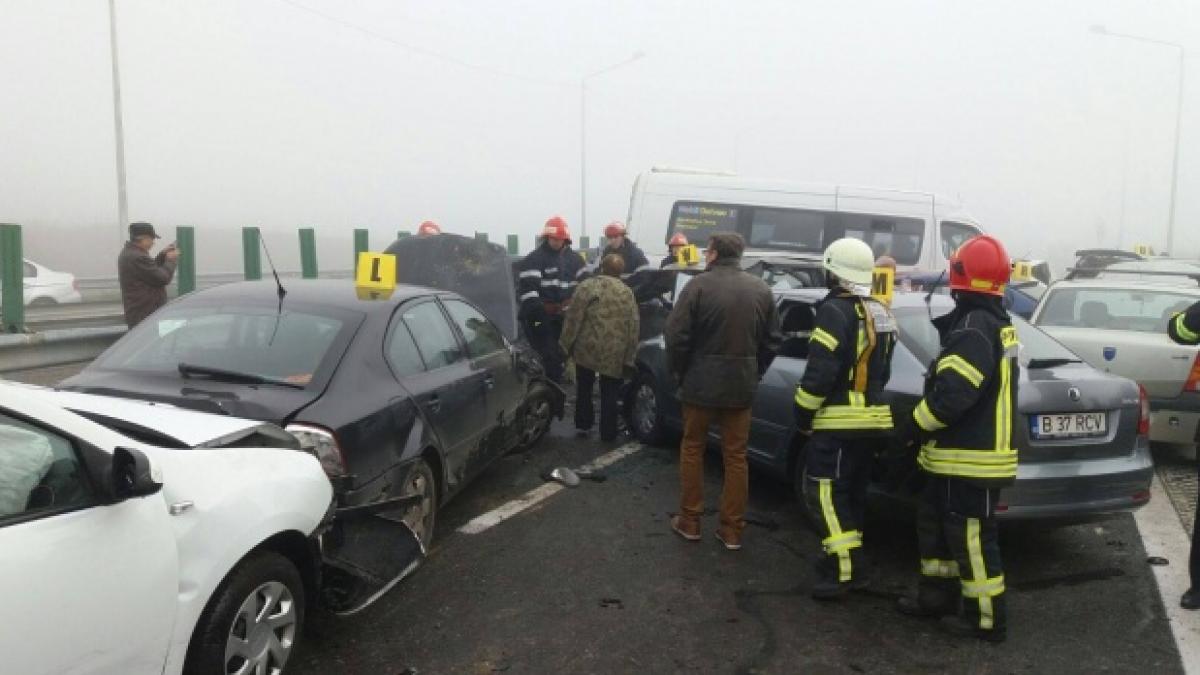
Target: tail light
321, 444
1193, 381
1144, 412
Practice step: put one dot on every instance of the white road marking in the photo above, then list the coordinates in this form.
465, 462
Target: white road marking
1163, 535
541, 493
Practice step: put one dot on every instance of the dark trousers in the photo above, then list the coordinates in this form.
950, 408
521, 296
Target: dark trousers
1194, 558
585, 416
543, 337
959, 545
837, 474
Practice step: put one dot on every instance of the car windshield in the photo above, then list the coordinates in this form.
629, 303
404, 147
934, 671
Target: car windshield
918, 334
1140, 310
255, 341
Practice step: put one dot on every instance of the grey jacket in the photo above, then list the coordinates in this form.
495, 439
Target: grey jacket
722, 336
143, 282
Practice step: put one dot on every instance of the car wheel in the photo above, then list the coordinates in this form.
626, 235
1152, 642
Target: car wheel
254, 620
421, 517
537, 416
645, 412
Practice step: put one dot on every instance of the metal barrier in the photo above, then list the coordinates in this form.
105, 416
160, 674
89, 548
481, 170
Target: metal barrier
55, 347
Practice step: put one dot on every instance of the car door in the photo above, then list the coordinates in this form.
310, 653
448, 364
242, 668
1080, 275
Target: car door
86, 587
451, 390
504, 390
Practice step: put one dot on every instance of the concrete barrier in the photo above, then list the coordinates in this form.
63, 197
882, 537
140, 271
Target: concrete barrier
55, 347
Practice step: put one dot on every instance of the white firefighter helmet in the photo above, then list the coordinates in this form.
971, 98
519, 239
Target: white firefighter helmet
851, 261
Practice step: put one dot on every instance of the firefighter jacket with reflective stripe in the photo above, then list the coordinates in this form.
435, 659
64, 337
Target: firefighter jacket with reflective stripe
546, 279
970, 398
849, 362
1185, 326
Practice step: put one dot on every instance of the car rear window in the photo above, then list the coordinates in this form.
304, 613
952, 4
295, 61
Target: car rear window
1144, 311
287, 345
918, 334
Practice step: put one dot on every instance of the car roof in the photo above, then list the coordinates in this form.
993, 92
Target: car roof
341, 293
900, 300
1147, 282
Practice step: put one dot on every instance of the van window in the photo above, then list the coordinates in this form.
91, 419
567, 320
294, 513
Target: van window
901, 238
955, 235
789, 229
699, 221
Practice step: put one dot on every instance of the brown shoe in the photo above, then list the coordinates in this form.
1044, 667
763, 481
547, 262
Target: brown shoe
686, 528
732, 542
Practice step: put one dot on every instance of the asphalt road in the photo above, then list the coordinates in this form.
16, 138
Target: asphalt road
593, 580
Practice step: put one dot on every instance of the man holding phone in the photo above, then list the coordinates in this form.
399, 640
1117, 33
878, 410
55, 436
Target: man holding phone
144, 279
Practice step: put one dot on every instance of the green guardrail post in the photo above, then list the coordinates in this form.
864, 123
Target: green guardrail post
185, 267
514, 244
12, 279
251, 254
361, 245
308, 253
481, 236
584, 243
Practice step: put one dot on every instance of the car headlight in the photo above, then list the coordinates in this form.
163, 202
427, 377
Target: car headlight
322, 444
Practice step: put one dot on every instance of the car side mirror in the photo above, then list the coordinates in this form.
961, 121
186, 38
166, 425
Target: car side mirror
132, 475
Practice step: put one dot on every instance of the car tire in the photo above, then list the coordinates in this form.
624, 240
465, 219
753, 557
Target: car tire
644, 411
264, 589
536, 415
421, 517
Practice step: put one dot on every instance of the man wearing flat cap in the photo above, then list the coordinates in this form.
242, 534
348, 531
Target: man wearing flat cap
144, 279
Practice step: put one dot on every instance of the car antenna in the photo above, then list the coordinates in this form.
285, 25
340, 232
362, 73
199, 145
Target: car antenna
279, 289
932, 289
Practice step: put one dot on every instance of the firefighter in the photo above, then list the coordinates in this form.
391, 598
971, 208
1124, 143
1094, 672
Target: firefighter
620, 244
965, 419
678, 241
546, 278
428, 229
839, 405
1185, 329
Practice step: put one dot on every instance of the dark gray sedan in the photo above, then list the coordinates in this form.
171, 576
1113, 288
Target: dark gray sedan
1082, 436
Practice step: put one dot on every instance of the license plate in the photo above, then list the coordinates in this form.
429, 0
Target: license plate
1068, 425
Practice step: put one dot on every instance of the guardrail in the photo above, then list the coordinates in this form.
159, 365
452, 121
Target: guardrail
55, 347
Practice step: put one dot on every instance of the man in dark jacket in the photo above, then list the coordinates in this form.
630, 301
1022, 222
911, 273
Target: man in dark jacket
144, 279
840, 405
721, 337
546, 279
1185, 329
637, 267
966, 417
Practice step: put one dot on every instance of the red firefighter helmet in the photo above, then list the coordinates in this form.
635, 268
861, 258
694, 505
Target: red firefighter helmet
428, 228
678, 239
556, 228
981, 265
614, 229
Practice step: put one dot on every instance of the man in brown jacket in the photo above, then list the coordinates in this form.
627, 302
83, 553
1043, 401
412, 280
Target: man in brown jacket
721, 338
144, 279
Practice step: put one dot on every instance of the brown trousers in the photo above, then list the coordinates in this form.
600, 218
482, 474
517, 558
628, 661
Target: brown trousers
734, 425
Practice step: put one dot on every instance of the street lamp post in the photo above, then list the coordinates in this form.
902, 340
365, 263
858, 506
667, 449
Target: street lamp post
583, 136
1101, 30
122, 202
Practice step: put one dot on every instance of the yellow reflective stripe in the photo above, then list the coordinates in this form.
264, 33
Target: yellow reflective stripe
925, 417
964, 456
990, 588
858, 399
823, 337
1004, 409
851, 425
808, 401
834, 526
1182, 330
946, 569
958, 470
1008, 337
978, 572
963, 367
842, 542
853, 417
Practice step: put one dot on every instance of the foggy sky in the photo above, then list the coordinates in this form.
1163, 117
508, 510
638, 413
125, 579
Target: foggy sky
257, 112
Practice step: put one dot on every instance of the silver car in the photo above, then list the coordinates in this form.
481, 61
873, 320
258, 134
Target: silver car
1082, 439
1116, 320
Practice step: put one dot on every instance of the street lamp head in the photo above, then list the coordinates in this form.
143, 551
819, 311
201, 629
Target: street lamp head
1099, 29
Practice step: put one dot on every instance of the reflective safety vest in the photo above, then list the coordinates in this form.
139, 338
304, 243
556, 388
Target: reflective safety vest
849, 362
1185, 326
971, 396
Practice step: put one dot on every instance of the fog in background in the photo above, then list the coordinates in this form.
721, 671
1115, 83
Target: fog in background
381, 114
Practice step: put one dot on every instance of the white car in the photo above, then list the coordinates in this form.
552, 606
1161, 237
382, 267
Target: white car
45, 287
141, 538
